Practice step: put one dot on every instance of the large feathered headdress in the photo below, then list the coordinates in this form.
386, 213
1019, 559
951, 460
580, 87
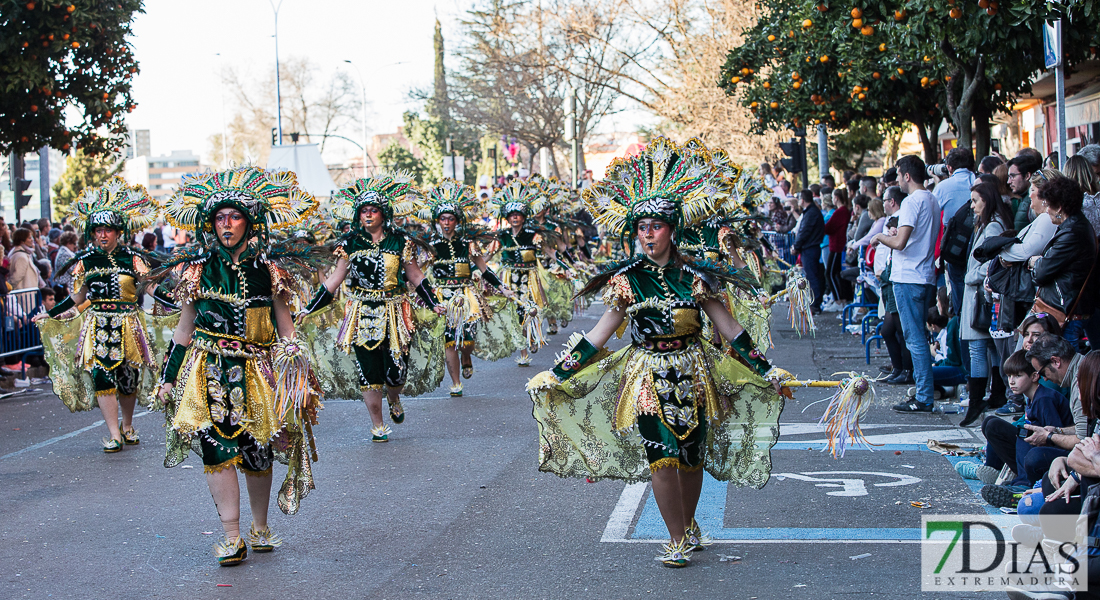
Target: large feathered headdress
518, 196
389, 192
268, 199
665, 181
114, 204
449, 197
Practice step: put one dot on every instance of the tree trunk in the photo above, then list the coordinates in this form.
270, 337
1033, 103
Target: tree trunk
982, 131
927, 140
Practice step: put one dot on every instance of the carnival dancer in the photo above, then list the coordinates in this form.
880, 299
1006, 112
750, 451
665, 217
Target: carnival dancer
113, 348
377, 260
692, 405
557, 264
520, 245
237, 387
473, 325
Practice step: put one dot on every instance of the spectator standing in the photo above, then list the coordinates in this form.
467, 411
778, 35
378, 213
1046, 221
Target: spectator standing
988, 164
1062, 274
65, 252
951, 194
23, 269
807, 245
913, 272
781, 219
837, 230
868, 186
1078, 169
768, 176
991, 218
1020, 170
784, 189
901, 361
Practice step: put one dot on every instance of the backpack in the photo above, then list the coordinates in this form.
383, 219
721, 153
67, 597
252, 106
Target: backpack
956, 237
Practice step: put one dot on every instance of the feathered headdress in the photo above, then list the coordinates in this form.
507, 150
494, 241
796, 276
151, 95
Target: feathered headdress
268, 199
665, 181
114, 204
451, 197
388, 192
518, 196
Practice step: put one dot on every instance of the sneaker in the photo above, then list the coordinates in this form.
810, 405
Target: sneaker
1028, 535
974, 470
1007, 496
912, 406
1010, 409
964, 403
675, 555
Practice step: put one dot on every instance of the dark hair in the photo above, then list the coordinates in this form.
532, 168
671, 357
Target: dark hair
1026, 163
960, 158
890, 175
68, 237
944, 299
893, 193
853, 185
46, 291
994, 206
1062, 193
891, 222
935, 317
785, 186
1048, 323
913, 166
1048, 346
806, 196
20, 236
840, 195
826, 191
149, 241
1088, 383
1018, 364
868, 181
989, 163
815, 188
861, 200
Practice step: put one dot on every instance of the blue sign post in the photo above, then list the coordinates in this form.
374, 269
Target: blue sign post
1052, 54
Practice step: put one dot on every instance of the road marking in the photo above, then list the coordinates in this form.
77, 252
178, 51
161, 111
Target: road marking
852, 487
62, 437
618, 525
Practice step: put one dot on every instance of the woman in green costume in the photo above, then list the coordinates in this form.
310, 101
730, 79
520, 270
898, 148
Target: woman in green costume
375, 263
238, 389
692, 405
472, 323
113, 347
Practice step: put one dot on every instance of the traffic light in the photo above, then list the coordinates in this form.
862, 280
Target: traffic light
274, 137
22, 198
793, 149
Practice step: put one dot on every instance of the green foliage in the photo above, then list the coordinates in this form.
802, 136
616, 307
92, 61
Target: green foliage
916, 61
397, 157
82, 171
59, 54
851, 147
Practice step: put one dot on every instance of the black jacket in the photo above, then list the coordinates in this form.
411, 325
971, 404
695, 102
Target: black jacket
812, 230
1064, 266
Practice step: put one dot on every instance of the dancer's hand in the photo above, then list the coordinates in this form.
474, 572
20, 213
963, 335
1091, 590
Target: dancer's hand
439, 310
40, 317
508, 293
165, 390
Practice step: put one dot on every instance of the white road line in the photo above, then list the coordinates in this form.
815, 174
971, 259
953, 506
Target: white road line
623, 515
62, 437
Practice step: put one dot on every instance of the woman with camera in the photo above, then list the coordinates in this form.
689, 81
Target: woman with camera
991, 218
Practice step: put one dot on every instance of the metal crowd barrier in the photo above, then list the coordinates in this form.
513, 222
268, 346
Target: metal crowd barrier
782, 242
20, 336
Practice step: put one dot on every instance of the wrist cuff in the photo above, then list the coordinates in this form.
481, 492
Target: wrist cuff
173, 362
579, 355
743, 346
426, 294
491, 278
321, 299
61, 307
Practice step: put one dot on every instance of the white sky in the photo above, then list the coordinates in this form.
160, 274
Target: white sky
177, 43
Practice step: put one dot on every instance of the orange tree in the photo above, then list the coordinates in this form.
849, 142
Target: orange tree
65, 74
915, 61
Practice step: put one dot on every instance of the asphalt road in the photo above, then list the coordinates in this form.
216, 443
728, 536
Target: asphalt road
453, 506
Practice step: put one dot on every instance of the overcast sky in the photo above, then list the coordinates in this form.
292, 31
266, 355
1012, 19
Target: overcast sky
178, 43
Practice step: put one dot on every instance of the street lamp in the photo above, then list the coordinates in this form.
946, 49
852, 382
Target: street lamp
278, 89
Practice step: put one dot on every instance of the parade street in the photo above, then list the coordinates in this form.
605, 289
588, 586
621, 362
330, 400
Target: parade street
454, 507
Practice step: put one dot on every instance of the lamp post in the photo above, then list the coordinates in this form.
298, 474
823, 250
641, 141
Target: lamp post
278, 88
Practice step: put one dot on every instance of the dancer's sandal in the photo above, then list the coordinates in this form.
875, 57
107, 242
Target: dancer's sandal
397, 413
230, 553
553, 330
263, 540
675, 554
129, 436
696, 539
467, 370
524, 361
110, 446
456, 390
380, 434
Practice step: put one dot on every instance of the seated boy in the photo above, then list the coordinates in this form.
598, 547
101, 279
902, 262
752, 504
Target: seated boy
1029, 457
948, 370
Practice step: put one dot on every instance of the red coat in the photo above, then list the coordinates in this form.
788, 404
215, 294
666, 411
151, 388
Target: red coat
837, 229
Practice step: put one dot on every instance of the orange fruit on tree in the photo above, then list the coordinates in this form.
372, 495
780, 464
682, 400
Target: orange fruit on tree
806, 23
771, 38
923, 81
901, 71
983, 3
900, 15
735, 79
822, 8
867, 30
795, 76
832, 113
991, 11
856, 13
997, 86
876, 75
70, 8
882, 47
857, 23
955, 13
790, 33
856, 89
796, 84
862, 96
753, 105
824, 58
76, 44
774, 104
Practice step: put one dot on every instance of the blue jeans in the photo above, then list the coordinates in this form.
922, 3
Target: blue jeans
982, 357
945, 376
811, 264
956, 276
1074, 333
913, 302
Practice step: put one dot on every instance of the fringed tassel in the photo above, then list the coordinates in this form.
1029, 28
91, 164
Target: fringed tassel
296, 391
532, 327
458, 312
842, 415
801, 296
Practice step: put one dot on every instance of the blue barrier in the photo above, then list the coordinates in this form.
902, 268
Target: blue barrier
20, 336
782, 242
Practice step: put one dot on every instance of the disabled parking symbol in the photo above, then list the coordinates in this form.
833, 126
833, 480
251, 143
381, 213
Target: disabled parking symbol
849, 486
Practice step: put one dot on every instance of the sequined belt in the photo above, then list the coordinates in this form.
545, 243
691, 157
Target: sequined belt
454, 282
375, 295
523, 266
228, 345
669, 345
113, 306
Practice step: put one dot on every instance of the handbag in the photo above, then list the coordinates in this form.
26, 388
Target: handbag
982, 318
1011, 280
1040, 306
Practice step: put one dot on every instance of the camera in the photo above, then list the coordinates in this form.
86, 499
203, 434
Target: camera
937, 170
1022, 432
